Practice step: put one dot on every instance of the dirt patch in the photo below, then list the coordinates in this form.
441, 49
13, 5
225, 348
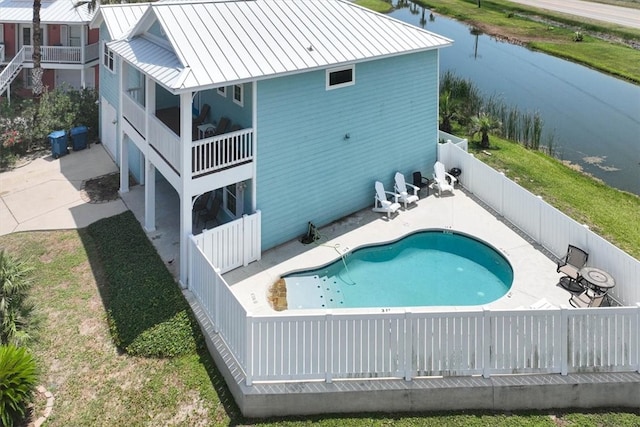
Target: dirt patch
103, 188
278, 295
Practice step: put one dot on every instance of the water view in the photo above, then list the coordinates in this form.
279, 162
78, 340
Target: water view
594, 119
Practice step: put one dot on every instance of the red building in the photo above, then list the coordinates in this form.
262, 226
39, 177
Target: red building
70, 50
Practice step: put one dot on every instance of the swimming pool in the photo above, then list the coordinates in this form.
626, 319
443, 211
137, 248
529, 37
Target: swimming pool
427, 268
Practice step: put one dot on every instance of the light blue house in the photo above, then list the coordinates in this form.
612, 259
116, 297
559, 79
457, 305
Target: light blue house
322, 98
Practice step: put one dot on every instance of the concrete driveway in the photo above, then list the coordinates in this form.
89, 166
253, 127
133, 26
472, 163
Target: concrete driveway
45, 194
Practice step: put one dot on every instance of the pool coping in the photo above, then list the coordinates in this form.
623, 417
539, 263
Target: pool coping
298, 276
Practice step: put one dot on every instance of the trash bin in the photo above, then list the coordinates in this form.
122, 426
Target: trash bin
58, 141
79, 137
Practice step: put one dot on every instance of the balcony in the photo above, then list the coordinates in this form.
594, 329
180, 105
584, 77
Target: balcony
208, 155
58, 54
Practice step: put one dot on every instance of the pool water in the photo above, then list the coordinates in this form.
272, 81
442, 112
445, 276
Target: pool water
428, 268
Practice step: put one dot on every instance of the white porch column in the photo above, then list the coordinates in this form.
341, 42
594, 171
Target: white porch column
185, 190
149, 196
150, 109
254, 125
124, 149
83, 43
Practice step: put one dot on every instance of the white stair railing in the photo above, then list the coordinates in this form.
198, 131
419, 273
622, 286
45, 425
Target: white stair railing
11, 71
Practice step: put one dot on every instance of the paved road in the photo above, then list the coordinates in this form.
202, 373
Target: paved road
602, 12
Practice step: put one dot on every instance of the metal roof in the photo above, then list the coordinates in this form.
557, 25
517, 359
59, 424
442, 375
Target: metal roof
216, 43
119, 18
51, 12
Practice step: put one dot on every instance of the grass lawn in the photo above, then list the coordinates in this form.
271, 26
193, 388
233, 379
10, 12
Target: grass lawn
95, 383
514, 22
377, 5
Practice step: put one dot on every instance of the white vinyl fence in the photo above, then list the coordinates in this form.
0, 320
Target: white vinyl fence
407, 343
545, 224
402, 343
233, 244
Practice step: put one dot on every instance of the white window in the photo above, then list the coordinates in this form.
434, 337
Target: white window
222, 91
108, 59
238, 94
75, 35
341, 77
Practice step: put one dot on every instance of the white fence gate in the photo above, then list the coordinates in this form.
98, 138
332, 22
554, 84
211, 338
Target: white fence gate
233, 244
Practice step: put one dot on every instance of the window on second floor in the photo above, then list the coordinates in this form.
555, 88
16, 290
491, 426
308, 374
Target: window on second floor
222, 91
238, 94
108, 59
340, 77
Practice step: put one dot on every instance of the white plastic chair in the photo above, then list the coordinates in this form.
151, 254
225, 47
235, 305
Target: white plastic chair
401, 189
381, 204
440, 179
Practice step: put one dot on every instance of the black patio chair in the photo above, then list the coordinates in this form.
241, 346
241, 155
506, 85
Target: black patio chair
420, 181
572, 262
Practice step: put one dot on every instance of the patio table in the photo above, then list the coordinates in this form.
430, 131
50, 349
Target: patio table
596, 278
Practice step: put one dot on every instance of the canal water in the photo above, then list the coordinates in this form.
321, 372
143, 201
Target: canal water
593, 119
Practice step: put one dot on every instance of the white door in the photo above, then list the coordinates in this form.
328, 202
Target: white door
108, 129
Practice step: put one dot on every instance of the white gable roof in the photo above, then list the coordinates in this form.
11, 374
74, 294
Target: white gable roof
215, 43
119, 18
51, 12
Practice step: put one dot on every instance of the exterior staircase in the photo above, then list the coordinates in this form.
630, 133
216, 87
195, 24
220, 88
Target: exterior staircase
10, 72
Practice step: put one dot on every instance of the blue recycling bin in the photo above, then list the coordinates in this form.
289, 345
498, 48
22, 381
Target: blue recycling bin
58, 141
79, 137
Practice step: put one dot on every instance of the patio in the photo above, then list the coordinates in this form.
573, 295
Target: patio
534, 269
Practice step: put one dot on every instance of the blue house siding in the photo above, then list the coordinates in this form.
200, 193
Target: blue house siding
308, 171
108, 80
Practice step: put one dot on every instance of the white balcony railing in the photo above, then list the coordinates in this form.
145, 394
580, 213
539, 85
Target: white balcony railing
221, 151
207, 155
165, 142
134, 113
63, 54
91, 52
11, 71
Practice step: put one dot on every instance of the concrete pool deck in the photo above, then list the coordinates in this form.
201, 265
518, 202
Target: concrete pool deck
534, 270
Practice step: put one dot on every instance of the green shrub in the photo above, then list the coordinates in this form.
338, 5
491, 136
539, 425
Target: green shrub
17, 380
147, 313
15, 308
577, 36
25, 125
